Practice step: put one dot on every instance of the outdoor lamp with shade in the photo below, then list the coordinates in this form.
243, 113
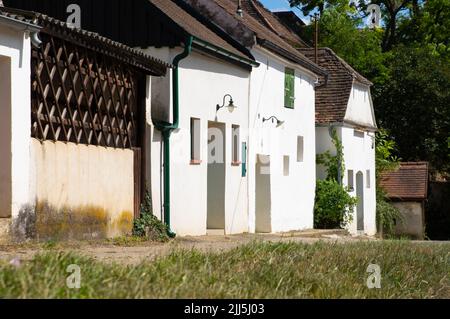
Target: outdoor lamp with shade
231, 107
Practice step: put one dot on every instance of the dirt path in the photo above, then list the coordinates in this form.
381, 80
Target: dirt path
134, 254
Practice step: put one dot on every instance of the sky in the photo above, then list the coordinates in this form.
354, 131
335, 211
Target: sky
283, 5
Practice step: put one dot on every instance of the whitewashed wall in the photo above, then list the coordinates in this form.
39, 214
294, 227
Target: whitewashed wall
292, 197
93, 185
359, 152
360, 106
203, 83
360, 157
15, 113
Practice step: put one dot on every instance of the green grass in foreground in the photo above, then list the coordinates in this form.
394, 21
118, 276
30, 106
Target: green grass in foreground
259, 270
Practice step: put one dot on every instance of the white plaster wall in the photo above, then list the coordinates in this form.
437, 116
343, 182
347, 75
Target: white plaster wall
292, 197
360, 106
203, 83
81, 177
324, 143
359, 156
15, 48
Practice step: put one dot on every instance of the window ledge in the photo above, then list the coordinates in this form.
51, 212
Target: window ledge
196, 162
236, 163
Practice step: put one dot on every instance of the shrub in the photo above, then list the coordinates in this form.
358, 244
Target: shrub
387, 215
334, 206
148, 225
386, 161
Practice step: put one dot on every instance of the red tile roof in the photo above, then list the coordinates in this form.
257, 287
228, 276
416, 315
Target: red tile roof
408, 183
269, 37
332, 99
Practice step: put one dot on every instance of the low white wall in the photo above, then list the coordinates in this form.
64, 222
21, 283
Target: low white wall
82, 191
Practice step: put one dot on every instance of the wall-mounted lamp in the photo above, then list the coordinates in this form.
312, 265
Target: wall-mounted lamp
230, 105
373, 137
273, 118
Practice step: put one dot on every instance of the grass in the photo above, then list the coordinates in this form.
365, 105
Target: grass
258, 270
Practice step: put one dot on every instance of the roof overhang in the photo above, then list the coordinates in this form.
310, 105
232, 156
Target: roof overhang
19, 24
215, 50
350, 124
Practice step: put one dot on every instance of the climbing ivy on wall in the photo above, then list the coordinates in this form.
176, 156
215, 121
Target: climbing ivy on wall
334, 206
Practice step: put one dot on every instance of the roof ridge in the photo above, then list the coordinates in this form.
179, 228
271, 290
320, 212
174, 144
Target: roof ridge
258, 11
348, 68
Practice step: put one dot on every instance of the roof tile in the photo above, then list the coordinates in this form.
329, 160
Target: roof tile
332, 99
408, 182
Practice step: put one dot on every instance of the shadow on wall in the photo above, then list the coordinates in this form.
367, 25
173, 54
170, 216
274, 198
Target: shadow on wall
46, 222
437, 213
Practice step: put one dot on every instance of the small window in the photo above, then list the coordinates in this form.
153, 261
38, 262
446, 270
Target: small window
368, 181
351, 180
286, 162
195, 141
300, 149
236, 158
289, 88
359, 134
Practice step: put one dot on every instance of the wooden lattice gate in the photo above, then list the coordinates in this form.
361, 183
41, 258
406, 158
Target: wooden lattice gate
84, 97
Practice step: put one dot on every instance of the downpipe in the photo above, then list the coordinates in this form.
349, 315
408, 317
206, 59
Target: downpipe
166, 129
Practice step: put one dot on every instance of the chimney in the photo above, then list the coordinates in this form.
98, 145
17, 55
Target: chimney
239, 10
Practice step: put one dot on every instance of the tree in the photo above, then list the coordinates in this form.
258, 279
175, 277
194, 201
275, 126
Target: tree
360, 47
415, 105
392, 11
407, 59
386, 161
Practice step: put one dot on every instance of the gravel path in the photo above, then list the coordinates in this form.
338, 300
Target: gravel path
136, 253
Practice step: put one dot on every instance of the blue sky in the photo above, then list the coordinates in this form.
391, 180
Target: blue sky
282, 5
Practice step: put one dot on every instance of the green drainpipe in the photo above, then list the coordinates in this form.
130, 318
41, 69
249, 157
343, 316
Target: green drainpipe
167, 129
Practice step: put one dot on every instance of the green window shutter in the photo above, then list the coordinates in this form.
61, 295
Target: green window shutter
289, 88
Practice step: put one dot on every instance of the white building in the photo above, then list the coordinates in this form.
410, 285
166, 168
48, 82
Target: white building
345, 104
281, 156
208, 179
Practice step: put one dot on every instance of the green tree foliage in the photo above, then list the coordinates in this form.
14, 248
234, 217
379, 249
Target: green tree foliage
386, 161
334, 164
414, 105
407, 59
